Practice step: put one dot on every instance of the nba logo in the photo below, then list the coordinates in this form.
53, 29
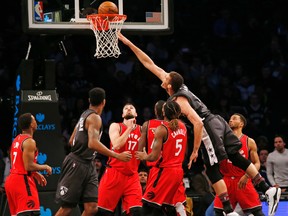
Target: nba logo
38, 8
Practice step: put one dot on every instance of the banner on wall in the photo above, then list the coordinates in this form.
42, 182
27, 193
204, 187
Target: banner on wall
43, 104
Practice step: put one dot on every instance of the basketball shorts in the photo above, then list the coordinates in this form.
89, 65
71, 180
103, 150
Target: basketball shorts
77, 183
248, 198
114, 186
161, 188
180, 195
22, 194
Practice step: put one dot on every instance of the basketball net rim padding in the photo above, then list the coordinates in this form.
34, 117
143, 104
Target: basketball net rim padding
105, 28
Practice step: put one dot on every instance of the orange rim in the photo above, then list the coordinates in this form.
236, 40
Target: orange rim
101, 21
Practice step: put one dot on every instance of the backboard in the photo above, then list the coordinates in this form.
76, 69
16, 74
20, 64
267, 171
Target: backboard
69, 16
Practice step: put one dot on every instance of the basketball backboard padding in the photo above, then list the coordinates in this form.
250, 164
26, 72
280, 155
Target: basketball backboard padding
143, 17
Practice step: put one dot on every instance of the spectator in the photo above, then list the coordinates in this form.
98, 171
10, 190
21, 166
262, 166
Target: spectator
2, 168
277, 169
262, 142
263, 154
99, 165
143, 176
257, 115
7, 165
200, 185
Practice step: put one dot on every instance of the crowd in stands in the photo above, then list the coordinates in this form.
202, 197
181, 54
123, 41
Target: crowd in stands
233, 56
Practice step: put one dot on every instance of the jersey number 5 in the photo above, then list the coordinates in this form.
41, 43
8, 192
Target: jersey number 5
178, 146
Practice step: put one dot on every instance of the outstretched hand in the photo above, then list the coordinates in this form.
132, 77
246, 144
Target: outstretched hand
193, 158
141, 155
124, 156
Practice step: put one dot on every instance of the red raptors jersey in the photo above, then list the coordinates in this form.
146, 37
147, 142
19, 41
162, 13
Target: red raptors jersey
151, 127
227, 168
16, 154
130, 167
173, 150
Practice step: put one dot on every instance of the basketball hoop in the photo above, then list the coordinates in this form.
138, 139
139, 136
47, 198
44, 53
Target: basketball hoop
105, 28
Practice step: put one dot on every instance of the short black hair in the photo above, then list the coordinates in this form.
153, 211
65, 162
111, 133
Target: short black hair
177, 80
24, 121
143, 168
281, 136
158, 109
96, 96
242, 118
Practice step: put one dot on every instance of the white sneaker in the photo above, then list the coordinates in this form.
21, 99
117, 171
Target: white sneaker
272, 197
231, 214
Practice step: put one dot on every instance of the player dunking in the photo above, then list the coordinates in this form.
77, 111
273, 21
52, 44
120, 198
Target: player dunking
219, 141
169, 143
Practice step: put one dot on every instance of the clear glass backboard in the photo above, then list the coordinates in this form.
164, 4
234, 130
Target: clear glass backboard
69, 16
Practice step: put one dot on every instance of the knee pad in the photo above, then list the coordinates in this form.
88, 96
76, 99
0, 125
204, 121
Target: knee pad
213, 173
239, 161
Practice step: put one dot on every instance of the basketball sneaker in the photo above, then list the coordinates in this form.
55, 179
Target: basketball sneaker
272, 197
231, 214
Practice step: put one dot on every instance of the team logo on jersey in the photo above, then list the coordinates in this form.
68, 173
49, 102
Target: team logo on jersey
63, 190
30, 204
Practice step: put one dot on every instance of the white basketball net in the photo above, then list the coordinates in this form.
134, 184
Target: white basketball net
105, 28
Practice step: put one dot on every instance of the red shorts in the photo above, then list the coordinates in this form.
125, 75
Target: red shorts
180, 195
162, 186
247, 198
22, 194
114, 185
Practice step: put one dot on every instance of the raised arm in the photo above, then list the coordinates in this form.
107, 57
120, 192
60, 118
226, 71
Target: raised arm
93, 124
143, 58
143, 137
117, 140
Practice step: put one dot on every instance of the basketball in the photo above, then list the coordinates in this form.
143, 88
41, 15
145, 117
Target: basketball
108, 7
